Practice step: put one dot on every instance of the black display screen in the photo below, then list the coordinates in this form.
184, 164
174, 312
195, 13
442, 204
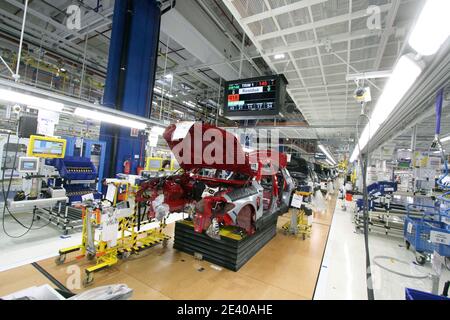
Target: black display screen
260, 97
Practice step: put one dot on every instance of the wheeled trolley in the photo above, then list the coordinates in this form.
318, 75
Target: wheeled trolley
427, 231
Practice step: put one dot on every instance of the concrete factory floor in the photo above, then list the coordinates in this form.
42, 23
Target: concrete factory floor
286, 268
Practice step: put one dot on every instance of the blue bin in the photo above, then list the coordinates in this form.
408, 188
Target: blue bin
411, 294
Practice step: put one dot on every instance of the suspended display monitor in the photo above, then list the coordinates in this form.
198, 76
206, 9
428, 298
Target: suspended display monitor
255, 98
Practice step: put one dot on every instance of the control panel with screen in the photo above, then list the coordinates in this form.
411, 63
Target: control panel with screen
257, 98
154, 164
28, 165
46, 147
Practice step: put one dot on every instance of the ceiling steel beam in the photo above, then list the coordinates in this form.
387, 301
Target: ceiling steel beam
342, 37
43, 17
318, 24
297, 69
392, 14
322, 72
192, 28
280, 10
34, 33
368, 75
230, 36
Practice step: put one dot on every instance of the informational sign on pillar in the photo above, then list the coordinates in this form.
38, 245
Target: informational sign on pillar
134, 132
47, 120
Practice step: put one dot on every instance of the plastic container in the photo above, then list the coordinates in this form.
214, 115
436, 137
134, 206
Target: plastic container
411, 294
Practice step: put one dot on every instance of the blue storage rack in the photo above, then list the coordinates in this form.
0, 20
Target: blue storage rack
88, 145
79, 174
417, 229
382, 188
76, 168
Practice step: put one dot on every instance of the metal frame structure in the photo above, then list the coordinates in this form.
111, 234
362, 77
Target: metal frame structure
323, 41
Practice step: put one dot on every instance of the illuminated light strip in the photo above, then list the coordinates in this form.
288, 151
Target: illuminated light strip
432, 27
403, 77
325, 151
30, 101
105, 117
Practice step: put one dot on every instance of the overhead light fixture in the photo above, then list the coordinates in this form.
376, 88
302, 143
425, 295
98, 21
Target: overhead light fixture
445, 139
325, 152
169, 76
279, 56
432, 27
105, 117
157, 130
157, 89
190, 103
30, 101
403, 77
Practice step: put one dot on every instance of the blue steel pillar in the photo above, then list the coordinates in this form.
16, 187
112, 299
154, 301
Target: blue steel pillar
130, 78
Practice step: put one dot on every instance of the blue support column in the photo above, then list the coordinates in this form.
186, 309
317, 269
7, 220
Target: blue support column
130, 77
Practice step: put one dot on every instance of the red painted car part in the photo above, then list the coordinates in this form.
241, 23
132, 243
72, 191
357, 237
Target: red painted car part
178, 190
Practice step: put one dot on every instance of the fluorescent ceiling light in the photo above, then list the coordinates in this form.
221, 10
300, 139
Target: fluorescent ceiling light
158, 90
329, 162
157, 130
432, 27
190, 103
279, 56
325, 151
169, 76
105, 117
445, 139
31, 101
404, 75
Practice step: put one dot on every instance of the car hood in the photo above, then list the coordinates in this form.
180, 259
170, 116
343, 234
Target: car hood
198, 145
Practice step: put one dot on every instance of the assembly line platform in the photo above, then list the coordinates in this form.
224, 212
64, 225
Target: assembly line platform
286, 267
231, 251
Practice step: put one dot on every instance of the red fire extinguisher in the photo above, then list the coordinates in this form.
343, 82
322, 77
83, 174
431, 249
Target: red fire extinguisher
127, 167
